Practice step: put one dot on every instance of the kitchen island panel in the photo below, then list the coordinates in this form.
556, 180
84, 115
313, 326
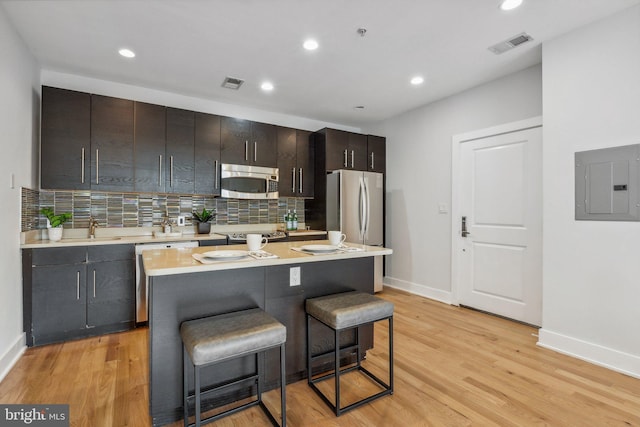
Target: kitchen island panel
175, 299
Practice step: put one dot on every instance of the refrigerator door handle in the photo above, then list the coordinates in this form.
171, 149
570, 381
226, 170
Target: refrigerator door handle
362, 202
367, 208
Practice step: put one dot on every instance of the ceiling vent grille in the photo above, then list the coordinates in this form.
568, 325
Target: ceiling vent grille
510, 43
232, 83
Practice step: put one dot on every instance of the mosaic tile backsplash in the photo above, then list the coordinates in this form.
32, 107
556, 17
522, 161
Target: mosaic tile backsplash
147, 210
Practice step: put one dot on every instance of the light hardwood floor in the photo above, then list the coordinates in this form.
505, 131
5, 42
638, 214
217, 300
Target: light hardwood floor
453, 367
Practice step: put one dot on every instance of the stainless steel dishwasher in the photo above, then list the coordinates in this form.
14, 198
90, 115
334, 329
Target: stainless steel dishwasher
142, 281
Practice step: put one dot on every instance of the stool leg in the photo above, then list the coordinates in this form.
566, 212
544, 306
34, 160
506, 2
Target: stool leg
197, 391
358, 345
283, 383
391, 353
185, 385
337, 368
308, 349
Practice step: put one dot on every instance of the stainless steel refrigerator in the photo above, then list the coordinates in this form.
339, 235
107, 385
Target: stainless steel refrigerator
355, 207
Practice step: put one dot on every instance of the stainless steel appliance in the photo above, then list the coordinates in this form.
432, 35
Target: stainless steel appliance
248, 182
355, 207
142, 281
241, 237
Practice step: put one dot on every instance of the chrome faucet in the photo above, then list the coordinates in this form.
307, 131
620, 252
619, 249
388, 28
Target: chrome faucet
93, 224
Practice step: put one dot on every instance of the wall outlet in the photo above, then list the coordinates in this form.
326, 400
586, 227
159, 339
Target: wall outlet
181, 221
294, 276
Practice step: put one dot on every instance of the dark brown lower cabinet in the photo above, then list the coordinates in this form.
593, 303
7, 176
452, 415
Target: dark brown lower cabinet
77, 292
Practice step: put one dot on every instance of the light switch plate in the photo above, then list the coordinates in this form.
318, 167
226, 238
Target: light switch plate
181, 221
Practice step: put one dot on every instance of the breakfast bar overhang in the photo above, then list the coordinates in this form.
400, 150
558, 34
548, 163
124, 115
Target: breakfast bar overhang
182, 288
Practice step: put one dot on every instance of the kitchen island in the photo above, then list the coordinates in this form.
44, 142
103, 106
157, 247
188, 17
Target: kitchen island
182, 288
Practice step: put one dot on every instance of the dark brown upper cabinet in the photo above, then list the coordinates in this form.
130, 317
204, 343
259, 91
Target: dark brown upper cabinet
180, 152
376, 153
345, 150
66, 139
111, 144
207, 154
295, 163
245, 142
149, 147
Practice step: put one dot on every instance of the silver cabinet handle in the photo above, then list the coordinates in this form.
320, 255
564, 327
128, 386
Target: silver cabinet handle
171, 171
345, 158
293, 180
160, 170
94, 283
82, 167
97, 166
352, 164
215, 174
77, 285
373, 160
246, 150
300, 180
255, 151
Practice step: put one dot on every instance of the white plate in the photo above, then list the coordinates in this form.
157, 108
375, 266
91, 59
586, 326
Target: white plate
228, 255
319, 248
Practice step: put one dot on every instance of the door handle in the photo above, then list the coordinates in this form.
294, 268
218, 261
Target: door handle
464, 232
345, 158
300, 180
215, 174
82, 167
293, 180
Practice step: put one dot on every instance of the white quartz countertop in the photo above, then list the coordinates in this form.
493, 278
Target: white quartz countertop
118, 240
162, 262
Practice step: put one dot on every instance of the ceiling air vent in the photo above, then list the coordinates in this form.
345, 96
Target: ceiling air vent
232, 83
509, 44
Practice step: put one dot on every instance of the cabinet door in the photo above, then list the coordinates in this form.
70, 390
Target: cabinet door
336, 149
207, 154
59, 300
357, 152
110, 292
235, 135
180, 151
305, 164
66, 139
287, 152
263, 147
149, 147
376, 153
111, 144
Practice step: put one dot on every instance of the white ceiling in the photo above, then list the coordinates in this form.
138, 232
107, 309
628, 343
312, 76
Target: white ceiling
189, 46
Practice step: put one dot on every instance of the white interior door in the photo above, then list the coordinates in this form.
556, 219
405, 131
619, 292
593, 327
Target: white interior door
500, 198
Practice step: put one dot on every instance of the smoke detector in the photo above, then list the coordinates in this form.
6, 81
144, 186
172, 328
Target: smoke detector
232, 83
510, 43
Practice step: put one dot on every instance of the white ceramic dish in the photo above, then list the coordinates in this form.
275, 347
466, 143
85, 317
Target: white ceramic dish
319, 248
225, 255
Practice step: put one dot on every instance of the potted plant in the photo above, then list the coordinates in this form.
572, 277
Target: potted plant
203, 218
55, 223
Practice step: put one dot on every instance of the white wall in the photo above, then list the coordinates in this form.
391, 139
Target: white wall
137, 93
19, 111
591, 294
419, 175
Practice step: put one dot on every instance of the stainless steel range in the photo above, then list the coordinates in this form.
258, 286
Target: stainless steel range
240, 238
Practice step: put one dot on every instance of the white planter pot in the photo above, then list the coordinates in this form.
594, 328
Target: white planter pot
55, 234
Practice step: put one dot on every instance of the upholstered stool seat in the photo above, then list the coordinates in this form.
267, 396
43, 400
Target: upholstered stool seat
215, 339
341, 312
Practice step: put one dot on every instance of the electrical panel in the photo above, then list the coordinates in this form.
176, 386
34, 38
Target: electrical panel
608, 184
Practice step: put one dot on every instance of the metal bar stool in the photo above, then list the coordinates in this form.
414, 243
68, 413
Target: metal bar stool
215, 339
342, 312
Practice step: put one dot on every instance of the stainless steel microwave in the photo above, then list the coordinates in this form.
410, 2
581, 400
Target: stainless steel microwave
248, 182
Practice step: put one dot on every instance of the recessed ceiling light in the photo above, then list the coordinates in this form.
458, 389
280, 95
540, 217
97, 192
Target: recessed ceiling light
310, 44
510, 4
267, 86
417, 80
127, 53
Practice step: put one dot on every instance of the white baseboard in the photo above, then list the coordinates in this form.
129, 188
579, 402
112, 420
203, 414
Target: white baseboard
11, 356
615, 360
414, 288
